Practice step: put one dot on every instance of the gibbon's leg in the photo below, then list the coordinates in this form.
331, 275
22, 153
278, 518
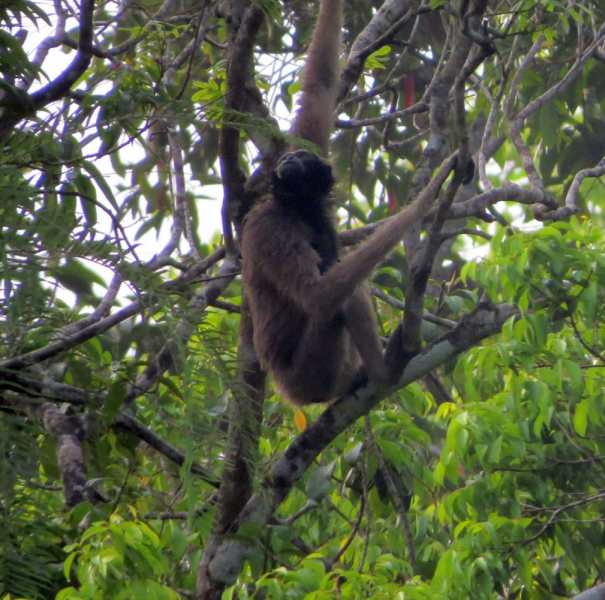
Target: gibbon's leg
333, 350
394, 357
338, 353
316, 368
362, 325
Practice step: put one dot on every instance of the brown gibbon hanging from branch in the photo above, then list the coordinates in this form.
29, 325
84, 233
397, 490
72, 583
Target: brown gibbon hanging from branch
314, 324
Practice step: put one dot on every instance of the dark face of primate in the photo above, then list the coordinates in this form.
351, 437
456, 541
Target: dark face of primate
302, 181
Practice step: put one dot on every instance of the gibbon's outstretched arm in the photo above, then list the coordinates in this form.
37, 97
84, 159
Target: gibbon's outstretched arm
315, 116
356, 266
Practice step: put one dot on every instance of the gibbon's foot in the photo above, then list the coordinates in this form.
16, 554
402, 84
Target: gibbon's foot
469, 174
394, 356
360, 380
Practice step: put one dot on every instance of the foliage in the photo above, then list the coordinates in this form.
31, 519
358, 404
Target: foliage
110, 553
123, 366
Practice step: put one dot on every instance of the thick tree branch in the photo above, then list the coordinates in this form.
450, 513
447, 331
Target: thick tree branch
541, 213
453, 76
240, 82
68, 432
42, 389
56, 89
475, 207
241, 453
595, 593
246, 403
387, 21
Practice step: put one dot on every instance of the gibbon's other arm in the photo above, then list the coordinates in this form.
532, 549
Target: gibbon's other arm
315, 117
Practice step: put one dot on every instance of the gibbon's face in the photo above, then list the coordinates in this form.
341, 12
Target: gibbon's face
302, 166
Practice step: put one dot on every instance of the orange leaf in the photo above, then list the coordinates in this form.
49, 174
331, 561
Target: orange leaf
300, 420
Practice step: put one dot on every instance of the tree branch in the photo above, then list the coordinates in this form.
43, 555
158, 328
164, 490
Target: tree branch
131, 425
385, 23
56, 89
420, 107
97, 327
68, 432
240, 81
167, 356
595, 593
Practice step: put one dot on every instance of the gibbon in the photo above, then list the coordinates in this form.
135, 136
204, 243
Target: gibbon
314, 324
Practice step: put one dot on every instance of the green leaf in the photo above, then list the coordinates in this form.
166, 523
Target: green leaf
549, 124
319, 483
88, 197
351, 456
94, 172
113, 400
580, 417
377, 59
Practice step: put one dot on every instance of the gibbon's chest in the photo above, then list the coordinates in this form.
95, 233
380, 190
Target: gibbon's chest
272, 234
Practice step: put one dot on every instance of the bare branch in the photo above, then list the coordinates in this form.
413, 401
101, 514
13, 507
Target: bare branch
99, 313
428, 317
44, 388
570, 207
511, 193
516, 122
446, 235
55, 348
61, 85
308, 507
50, 42
420, 107
398, 501
240, 81
570, 76
344, 547
177, 185
130, 424
57, 88
595, 593
495, 108
384, 25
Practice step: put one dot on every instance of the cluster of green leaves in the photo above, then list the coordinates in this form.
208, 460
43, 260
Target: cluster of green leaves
75, 203
123, 559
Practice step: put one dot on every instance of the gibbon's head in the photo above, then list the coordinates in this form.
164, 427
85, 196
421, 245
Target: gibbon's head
302, 173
